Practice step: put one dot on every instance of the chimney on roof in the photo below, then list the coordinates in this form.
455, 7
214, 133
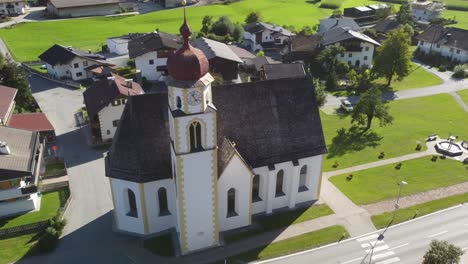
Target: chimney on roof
4, 149
129, 83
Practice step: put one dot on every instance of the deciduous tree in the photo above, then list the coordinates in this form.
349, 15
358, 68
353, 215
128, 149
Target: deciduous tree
442, 252
253, 17
371, 105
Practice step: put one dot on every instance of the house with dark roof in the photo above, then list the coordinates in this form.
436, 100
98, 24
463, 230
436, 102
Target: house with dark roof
105, 101
198, 160
222, 59
20, 163
387, 25
150, 52
283, 70
119, 45
245, 55
331, 23
425, 11
260, 35
451, 43
70, 63
364, 14
72, 8
13, 7
7, 103
303, 48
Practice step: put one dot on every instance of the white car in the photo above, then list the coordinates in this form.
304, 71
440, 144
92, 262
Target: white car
346, 105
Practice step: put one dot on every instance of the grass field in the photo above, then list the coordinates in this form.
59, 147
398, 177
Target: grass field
14, 249
405, 214
281, 220
460, 17
415, 119
28, 40
461, 5
418, 78
464, 95
50, 204
422, 174
306, 241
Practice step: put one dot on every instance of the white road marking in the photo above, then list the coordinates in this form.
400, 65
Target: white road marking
404, 245
371, 243
367, 238
389, 261
349, 261
383, 255
377, 249
440, 233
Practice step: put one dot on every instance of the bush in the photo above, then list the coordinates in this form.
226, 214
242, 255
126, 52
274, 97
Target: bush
331, 4
223, 26
48, 240
443, 68
253, 17
131, 63
342, 68
460, 71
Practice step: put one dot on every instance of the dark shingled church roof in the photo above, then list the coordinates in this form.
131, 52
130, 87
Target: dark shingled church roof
269, 122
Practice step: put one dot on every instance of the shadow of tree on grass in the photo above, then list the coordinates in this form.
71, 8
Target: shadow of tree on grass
351, 140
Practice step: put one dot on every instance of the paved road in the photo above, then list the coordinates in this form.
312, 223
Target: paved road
405, 243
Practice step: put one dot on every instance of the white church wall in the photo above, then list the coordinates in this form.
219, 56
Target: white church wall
157, 220
314, 171
108, 115
260, 206
121, 206
236, 175
199, 190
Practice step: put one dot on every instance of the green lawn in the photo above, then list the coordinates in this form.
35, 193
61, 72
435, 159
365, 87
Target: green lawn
464, 95
16, 248
456, 4
422, 174
50, 203
405, 214
415, 119
38, 68
284, 219
55, 167
460, 17
418, 78
161, 245
27, 41
303, 242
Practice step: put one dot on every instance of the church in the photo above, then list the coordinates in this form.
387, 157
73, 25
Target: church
199, 159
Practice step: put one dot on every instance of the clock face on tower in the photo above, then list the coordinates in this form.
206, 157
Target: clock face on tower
194, 97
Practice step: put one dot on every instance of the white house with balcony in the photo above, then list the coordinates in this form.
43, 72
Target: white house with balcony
425, 11
70, 63
451, 43
199, 159
20, 163
359, 48
13, 7
260, 35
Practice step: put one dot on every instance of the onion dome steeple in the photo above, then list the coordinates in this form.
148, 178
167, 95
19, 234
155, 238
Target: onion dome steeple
187, 63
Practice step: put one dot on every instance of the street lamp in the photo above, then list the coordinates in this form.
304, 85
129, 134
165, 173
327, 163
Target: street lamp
381, 235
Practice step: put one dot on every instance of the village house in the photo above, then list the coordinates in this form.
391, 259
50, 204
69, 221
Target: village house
364, 14
450, 43
37, 122
222, 59
359, 48
331, 23
20, 164
70, 63
150, 52
199, 160
72, 8
245, 55
105, 101
282, 70
425, 11
260, 35
13, 7
119, 45
7, 103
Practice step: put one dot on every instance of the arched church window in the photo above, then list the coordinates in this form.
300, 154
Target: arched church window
179, 102
256, 189
303, 179
279, 183
195, 136
162, 199
231, 203
132, 207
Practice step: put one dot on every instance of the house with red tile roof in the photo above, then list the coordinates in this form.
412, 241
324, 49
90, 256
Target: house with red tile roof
34, 122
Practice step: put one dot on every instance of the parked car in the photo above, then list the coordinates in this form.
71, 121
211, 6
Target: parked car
346, 105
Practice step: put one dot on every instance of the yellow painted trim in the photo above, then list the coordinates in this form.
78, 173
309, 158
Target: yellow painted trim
116, 219
143, 208
319, 187
187, 132
185, 101
176, 134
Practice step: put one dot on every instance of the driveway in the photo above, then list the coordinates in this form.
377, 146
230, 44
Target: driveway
88, 236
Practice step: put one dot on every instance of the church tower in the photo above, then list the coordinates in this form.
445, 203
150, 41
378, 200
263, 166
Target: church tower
192, 121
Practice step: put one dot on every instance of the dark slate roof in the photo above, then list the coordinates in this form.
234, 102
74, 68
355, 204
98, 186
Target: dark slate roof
268, 121
454, 37
387, 25
340, 34
261, 26
225, 152
101, 93
140, 150
23, 145
331, 23
58, 54
259, 62
306, 43
153, 41
283, 70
